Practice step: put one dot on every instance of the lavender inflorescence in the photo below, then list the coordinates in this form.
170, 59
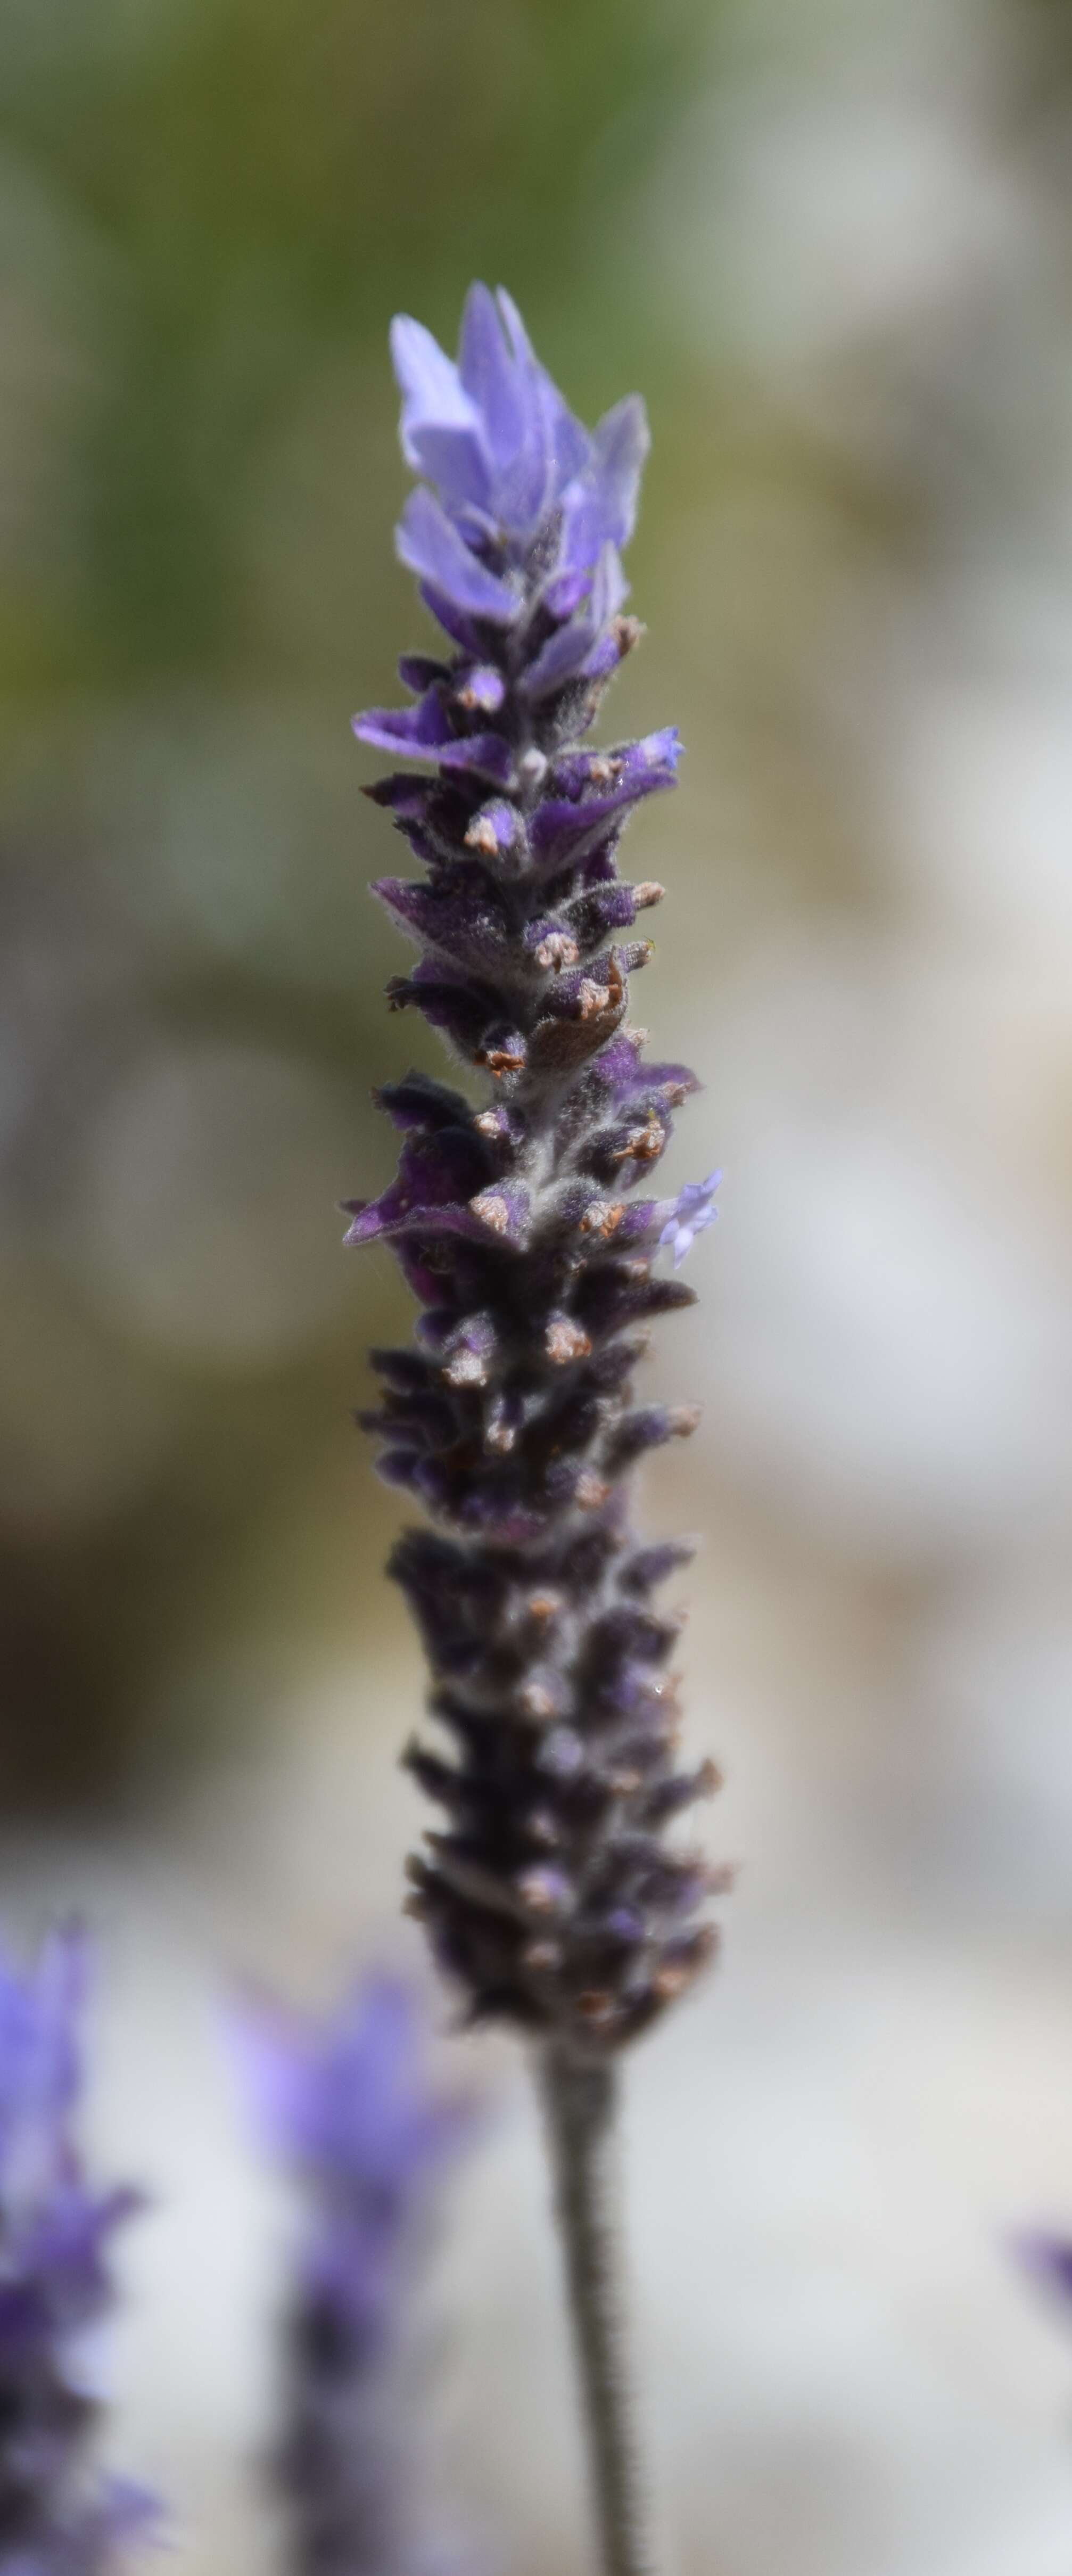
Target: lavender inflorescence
552, 1895
58, 2517
347, 2107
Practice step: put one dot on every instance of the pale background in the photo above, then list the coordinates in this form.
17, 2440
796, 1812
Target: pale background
833, 245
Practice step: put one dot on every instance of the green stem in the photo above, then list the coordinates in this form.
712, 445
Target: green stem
580, 2098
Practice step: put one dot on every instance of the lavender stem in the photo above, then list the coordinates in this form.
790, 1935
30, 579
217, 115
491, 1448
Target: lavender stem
580, 2100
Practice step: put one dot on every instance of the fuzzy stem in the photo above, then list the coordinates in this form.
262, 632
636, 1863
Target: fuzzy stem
580, 2100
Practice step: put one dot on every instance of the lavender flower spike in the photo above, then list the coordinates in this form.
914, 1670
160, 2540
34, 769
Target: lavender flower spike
346, 2106
57, 2518
552, 1895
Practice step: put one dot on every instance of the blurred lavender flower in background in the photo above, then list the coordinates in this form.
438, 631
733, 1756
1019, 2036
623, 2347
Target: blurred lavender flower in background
1048, 2260
347, 2107
56, 2517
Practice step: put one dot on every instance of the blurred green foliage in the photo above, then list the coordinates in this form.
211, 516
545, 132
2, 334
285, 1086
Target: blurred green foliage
210, 210
237, 191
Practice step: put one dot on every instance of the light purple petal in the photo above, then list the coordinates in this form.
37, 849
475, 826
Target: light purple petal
429, 382
431, 547
600, 506
566, 653
270, 2050
482, 687
491, 378
565, 440
565, 591
412, 730
346, 2098
690, 1214
620, 443
40, 2059
496, 437
553, 446
440, 428
453, 459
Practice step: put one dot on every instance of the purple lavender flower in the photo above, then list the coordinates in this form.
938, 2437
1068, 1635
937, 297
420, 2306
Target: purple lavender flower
56, 2517
347, 2107
694, 1210
552, 1895
513, 469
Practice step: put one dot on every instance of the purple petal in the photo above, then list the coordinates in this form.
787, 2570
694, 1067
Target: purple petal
453, 460
430, 546
491, 378
413, 730
404, 796
420, 671
496, 437
620, 447
690, 1214
569, 823
552, 445
487, 753
450, 617
440, 427
428, 381
346, 2099
483, 686
40, 2059
436, 1179
565, 591
496, 829
566, 653
621, 1067
566, 444
268, 2047
626, 772
461, 923
425, 731
466, 1012
600, 505
127, 2508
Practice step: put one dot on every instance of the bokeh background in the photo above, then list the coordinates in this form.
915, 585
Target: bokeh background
833, 245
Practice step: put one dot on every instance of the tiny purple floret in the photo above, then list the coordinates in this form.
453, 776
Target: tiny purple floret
694, 1212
